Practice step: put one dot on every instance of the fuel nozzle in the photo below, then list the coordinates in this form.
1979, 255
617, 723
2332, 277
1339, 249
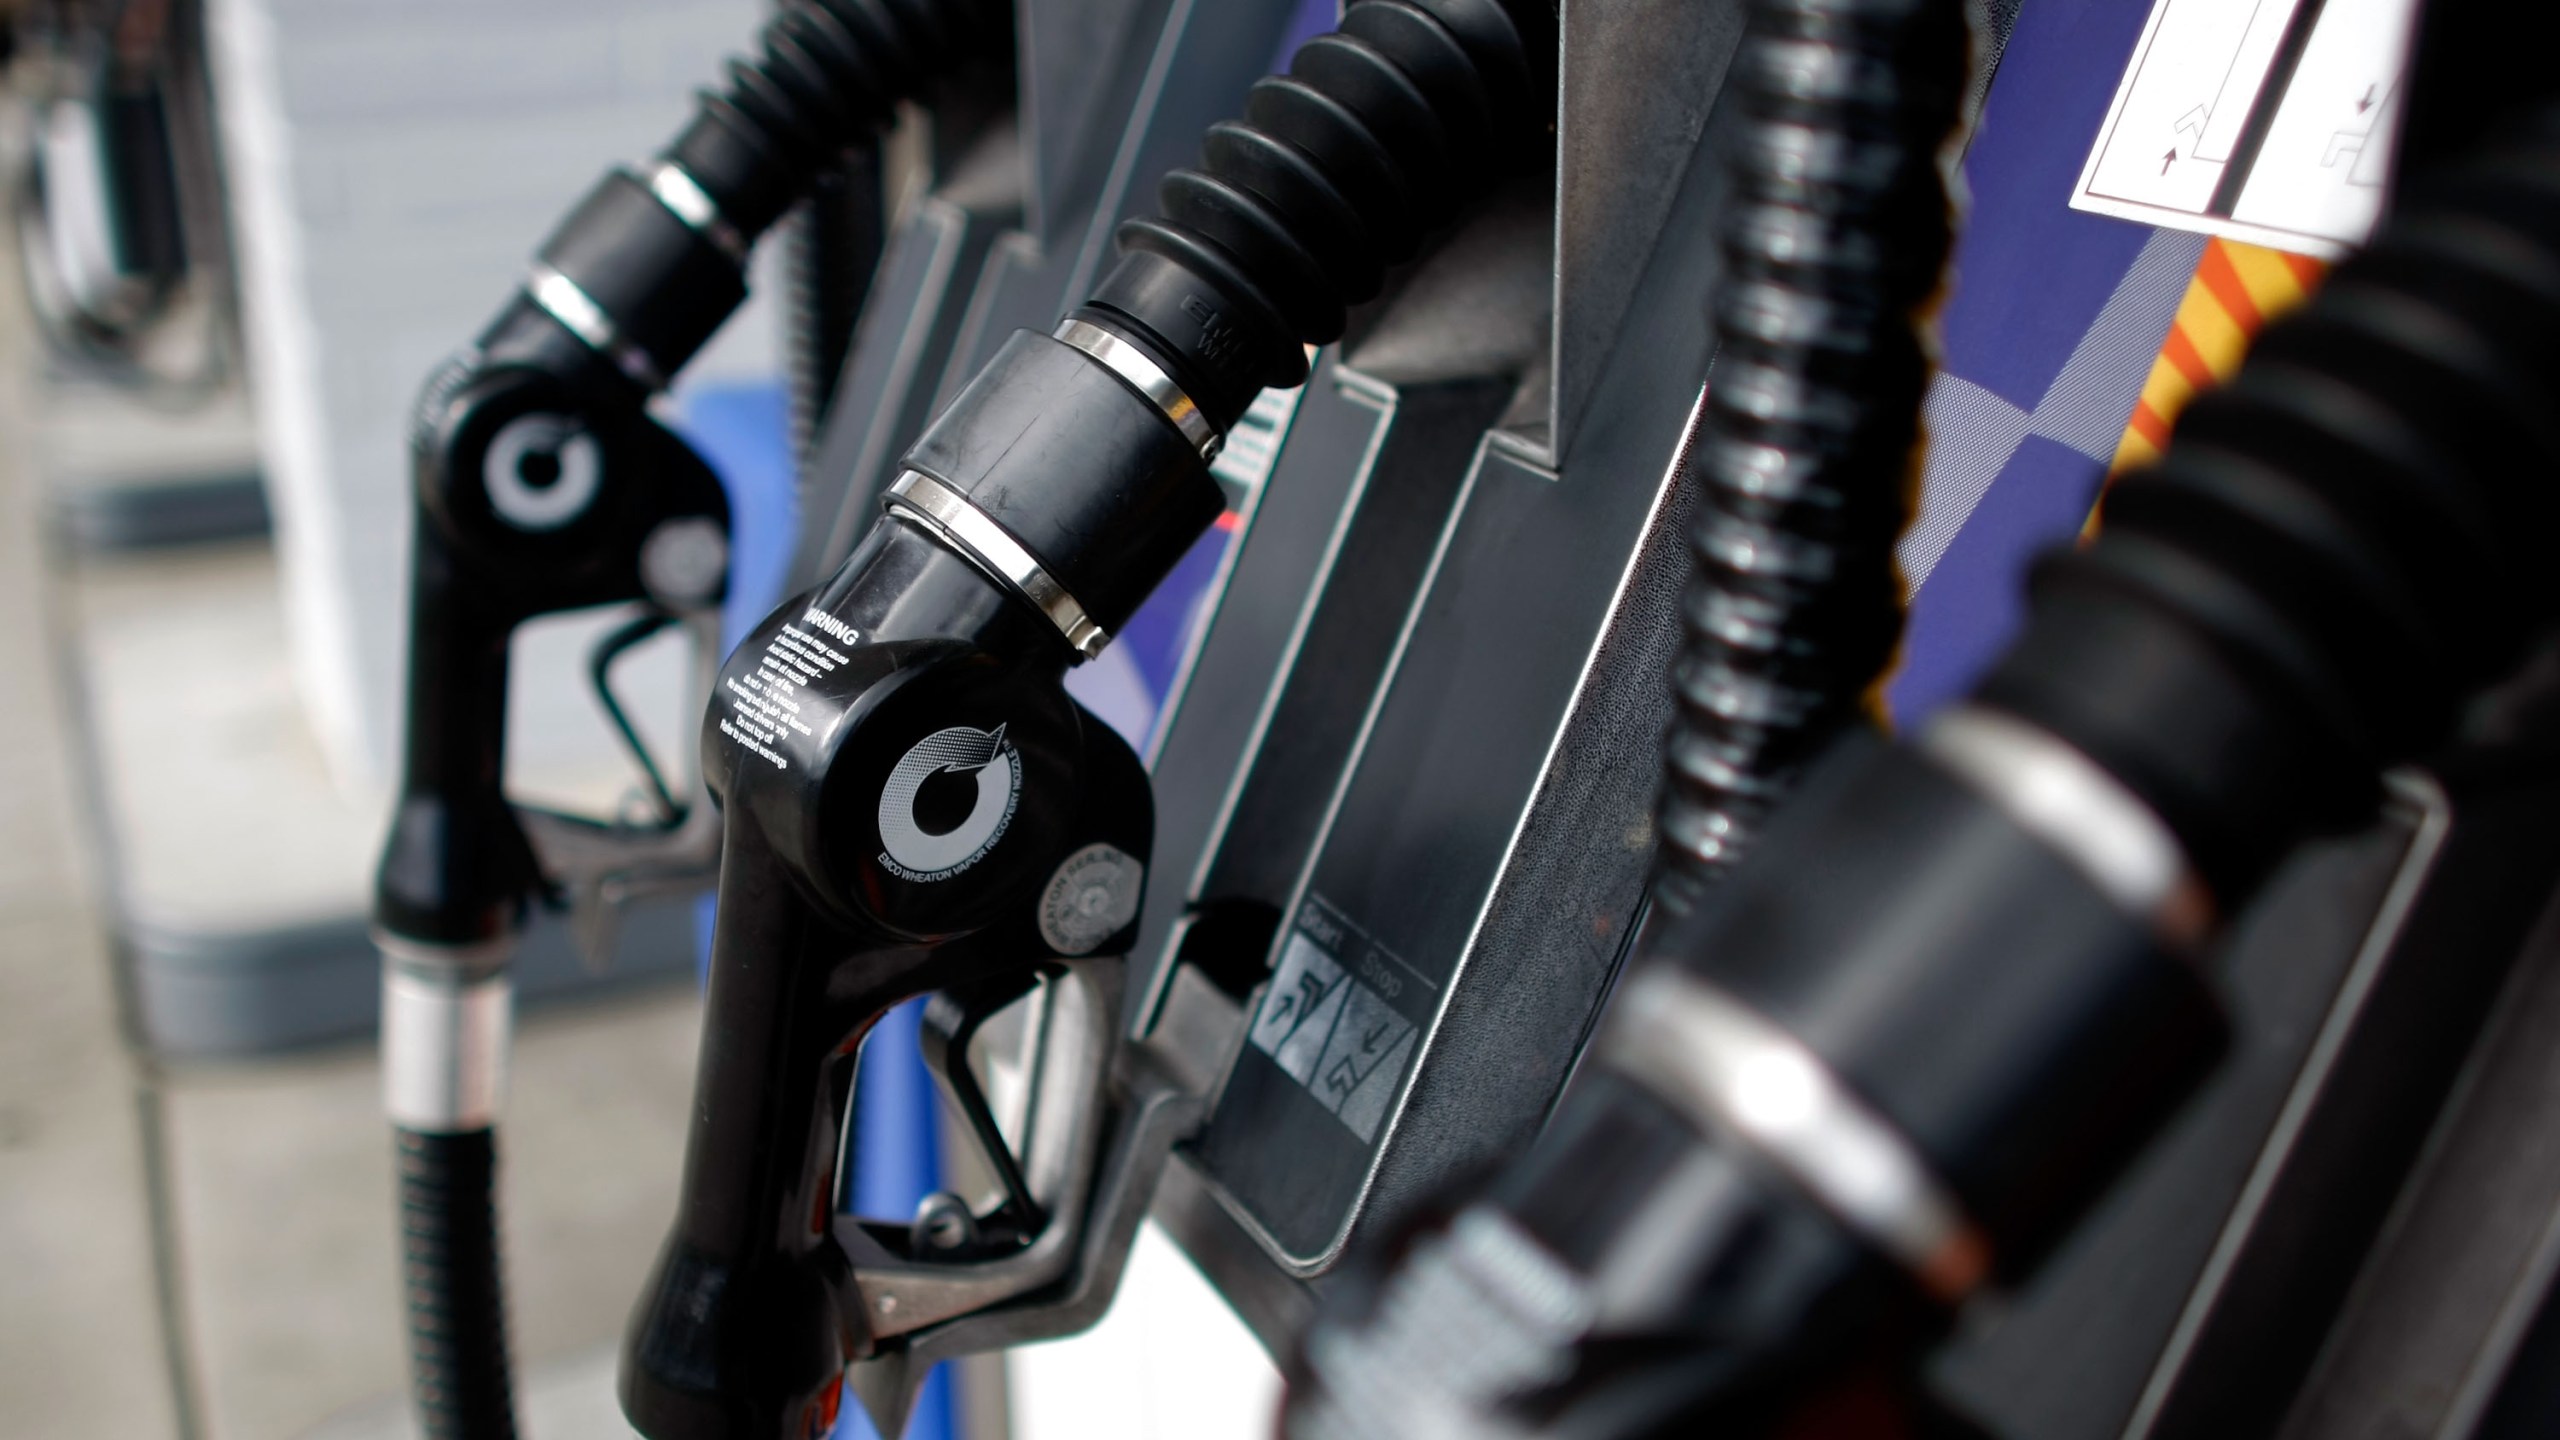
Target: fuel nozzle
1026, 526
1871, 1072
543, 484
540, 486
911, 805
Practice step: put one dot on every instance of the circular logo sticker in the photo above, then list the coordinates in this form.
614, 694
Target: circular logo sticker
948, 802
1091, 897
542, 471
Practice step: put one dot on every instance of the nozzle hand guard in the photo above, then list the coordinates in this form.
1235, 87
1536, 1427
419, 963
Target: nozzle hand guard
1108, 1118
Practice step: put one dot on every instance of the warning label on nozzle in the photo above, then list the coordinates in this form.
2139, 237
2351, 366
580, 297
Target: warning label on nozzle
765, 703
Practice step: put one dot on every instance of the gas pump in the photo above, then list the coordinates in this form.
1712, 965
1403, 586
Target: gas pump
1318, 973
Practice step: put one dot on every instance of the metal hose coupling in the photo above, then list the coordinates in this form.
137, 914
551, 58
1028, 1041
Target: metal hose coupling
1834, 242
445, 1016
1073, 472
1803, 1136
1074, 469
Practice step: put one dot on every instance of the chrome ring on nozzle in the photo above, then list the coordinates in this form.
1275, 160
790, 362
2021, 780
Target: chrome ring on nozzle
949, 516
1727, 1068
1147, 378
685, 198
563, 300
2063, 798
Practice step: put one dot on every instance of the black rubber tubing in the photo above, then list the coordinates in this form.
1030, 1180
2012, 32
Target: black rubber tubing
1834, 242
827, 74
2339, 547
1378, 135
826, 80
451, 1280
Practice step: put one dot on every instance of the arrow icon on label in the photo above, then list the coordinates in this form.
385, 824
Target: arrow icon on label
2367, 102
2193, 122
2168, 160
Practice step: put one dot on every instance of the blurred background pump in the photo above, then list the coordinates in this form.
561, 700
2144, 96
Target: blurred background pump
1060, 611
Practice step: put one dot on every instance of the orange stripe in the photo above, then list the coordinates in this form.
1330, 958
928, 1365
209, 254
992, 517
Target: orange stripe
2218, 276
2146, 422
2305, 269
2180, 351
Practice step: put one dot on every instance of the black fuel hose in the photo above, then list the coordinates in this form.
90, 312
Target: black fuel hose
450, 1275
2339, 550
1833, 243
1375, 138
2340, 546
661, 258
830, 74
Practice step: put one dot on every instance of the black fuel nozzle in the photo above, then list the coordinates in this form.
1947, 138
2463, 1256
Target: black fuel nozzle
911, 804
1875, 1069
543, 484
860, 868
533, 496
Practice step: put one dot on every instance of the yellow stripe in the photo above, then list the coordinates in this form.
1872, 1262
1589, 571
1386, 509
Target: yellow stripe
2267, 276
2216, 333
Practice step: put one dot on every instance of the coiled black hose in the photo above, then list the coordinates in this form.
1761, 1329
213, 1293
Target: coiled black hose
449, 1271
829, 73
1378, 135
2339, 546
666, 266
1834, 240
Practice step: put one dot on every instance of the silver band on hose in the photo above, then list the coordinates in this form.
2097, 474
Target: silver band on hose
1725, 1066
2065, 799
578, 313
949, 515
444, 1048
685, 198
1147, 378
